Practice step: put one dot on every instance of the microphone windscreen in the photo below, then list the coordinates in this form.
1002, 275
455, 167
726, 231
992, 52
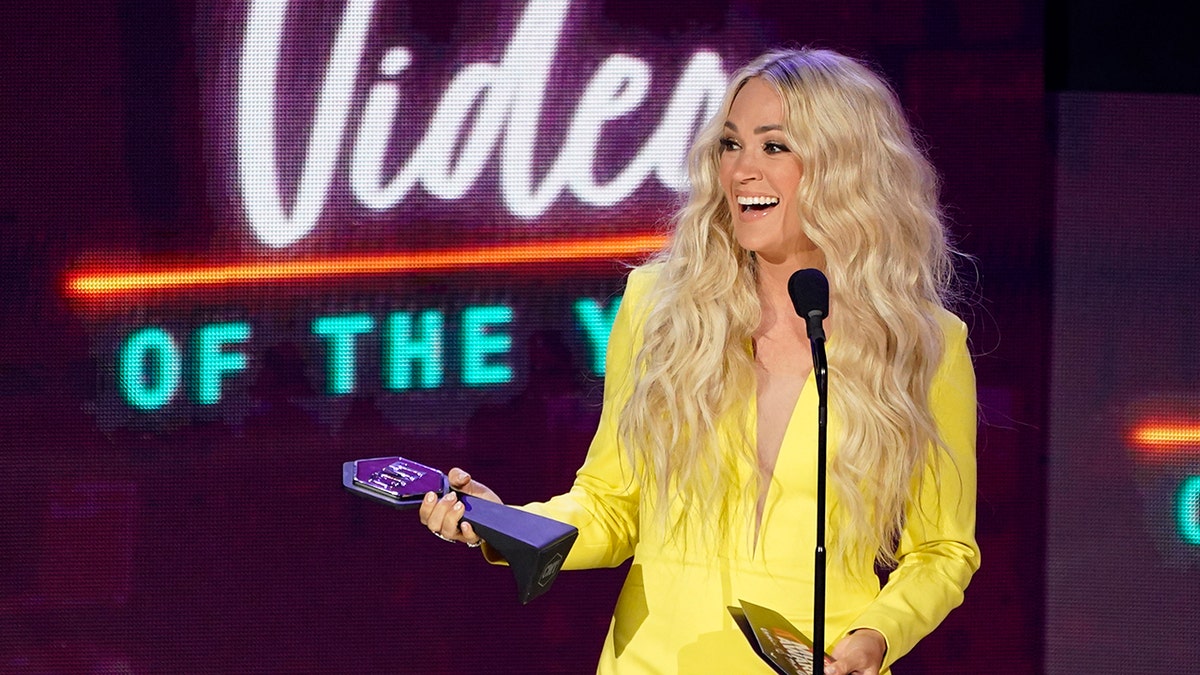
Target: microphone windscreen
809, 290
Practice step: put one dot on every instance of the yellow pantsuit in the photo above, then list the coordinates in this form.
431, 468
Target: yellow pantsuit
672, 613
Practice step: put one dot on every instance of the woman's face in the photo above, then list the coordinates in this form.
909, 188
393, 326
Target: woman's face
760, 174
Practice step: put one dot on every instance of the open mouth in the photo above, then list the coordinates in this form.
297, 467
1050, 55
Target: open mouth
751, 204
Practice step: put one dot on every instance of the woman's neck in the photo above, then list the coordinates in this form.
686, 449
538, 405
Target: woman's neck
773, 290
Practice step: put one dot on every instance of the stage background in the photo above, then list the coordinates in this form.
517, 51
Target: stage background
167, 505
1123, 495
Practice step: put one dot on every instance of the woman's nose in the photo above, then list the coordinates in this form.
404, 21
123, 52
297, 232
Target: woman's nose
746, 168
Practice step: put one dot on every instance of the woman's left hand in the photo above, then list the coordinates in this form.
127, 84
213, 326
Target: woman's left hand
860, 653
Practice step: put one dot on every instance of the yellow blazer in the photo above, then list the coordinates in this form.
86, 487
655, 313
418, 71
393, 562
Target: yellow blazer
671, 616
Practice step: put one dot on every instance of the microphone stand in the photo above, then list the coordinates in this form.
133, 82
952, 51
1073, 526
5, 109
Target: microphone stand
821, 374
809, 291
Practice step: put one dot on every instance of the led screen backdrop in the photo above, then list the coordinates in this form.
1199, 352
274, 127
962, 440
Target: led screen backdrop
1124, 497
247, 241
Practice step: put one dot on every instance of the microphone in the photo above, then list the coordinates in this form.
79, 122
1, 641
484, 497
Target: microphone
809, 291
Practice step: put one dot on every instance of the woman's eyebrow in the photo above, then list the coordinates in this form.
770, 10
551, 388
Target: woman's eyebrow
757, 130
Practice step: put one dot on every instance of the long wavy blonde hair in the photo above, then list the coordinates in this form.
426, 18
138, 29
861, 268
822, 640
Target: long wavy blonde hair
869, 201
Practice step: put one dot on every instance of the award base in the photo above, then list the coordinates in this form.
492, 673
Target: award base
534, 546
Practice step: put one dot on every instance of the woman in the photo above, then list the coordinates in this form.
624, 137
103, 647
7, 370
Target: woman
703, 466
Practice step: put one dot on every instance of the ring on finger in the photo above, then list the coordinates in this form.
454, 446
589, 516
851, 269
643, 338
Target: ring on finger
476, 544
439, 535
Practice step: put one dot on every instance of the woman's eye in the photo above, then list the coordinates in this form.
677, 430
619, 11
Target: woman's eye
728, 144
774, 148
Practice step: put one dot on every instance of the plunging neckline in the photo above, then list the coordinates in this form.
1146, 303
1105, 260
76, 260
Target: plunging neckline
769, 496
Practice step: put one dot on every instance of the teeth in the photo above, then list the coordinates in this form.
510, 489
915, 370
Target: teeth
757, 201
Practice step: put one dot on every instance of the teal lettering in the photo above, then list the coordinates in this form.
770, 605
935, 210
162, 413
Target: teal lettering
406, 346
149, 368
481, 341
1187, 510
212, 362
597, 322
341, 331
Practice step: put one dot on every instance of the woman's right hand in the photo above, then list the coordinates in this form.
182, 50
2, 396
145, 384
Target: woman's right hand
443, 516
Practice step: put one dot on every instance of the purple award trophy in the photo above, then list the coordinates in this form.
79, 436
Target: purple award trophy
534, 546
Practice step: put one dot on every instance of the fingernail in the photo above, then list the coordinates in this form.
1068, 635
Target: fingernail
458, 506
430, 498
450, 496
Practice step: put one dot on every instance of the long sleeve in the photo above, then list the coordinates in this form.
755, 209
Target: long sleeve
603, 501
937, 551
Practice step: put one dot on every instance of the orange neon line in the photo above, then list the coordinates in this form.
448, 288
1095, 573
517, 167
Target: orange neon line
1158, 436
101, 284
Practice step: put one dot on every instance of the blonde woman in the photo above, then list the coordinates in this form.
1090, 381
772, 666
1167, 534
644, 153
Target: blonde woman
703, 466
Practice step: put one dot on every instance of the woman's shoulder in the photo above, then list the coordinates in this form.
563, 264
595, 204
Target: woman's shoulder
636, 300
644, 276
641, 281
955, 343
952, 326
